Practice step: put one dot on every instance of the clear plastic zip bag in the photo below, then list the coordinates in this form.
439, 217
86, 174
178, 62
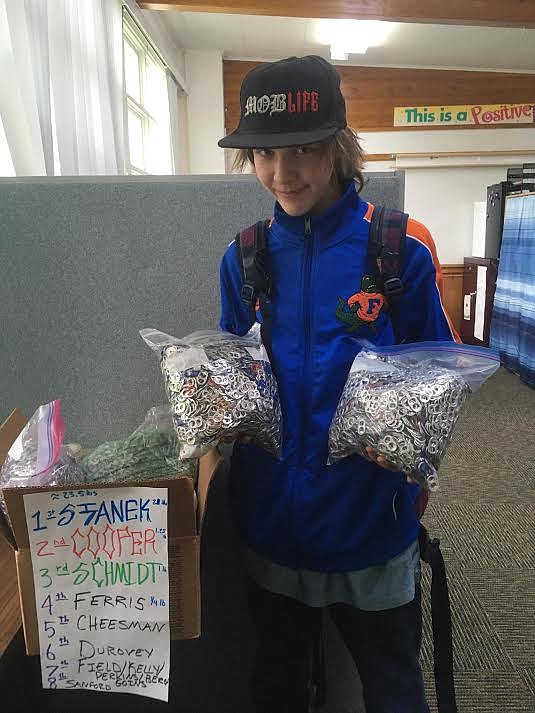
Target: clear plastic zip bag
38, 457
150, 452
404, 401
220, 387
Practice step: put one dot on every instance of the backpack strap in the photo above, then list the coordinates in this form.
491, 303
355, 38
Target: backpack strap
253, 254
252, 247
441, 623
386, 250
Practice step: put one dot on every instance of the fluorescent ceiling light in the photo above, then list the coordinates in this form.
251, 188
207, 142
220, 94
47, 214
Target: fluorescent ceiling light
352, 36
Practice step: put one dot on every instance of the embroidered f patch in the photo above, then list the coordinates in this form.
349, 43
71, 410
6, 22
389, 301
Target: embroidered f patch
363, 308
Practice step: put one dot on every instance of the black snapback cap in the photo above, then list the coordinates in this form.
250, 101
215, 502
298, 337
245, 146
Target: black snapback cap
292, 102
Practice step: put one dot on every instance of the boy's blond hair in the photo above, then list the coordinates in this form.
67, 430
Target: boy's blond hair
344, 150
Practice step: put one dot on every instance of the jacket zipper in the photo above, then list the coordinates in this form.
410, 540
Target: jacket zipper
306, 361
306, 292
306, 319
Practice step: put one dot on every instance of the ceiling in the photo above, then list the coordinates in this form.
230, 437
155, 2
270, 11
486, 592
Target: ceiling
409, 45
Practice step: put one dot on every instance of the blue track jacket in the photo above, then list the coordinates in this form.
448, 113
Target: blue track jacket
300, 512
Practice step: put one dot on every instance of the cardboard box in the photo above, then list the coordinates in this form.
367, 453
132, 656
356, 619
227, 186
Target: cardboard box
186, 509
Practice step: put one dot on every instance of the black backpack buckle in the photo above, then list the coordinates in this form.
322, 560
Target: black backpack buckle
393, 288
248, 294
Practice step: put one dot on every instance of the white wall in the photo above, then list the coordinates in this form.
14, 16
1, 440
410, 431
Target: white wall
206, 112
443, 198
419, 140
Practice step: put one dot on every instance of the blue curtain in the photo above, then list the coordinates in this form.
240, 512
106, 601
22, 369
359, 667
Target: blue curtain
513, 318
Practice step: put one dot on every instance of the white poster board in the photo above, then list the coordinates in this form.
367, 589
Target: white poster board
481, 299
479, 229
102, 588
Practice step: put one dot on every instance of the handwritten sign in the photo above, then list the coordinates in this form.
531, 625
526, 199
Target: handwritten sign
469, 115
102, 588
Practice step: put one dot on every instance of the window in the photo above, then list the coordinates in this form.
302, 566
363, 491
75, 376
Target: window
148, 148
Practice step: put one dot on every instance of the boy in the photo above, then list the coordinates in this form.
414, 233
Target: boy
342, 536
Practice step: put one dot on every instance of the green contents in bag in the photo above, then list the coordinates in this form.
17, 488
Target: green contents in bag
150, 453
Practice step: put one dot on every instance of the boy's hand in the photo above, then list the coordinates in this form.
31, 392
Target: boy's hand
384, 462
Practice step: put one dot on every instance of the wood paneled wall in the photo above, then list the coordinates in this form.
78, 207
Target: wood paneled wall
372, 93
511, 13
453, 293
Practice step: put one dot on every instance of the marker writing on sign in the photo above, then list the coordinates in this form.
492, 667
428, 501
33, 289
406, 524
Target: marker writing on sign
93, 512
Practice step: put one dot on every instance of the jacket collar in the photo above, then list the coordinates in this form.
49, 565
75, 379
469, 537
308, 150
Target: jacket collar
327, 223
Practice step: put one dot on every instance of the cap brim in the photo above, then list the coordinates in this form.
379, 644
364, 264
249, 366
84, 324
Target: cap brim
240, 140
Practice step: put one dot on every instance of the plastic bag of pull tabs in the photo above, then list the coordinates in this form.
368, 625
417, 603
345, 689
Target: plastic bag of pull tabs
220, 387
404, 402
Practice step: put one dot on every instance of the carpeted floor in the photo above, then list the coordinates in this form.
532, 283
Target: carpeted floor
485, 518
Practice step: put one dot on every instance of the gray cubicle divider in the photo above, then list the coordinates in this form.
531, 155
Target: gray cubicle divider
86, 263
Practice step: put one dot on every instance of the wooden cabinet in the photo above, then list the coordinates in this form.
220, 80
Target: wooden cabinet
452, 294
479, 285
